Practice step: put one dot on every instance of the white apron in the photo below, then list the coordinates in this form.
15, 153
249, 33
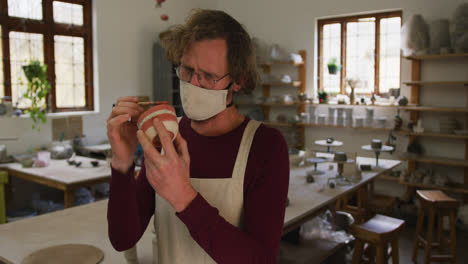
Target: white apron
172, 242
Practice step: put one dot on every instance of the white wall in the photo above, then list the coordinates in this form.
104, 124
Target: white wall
124, 32
292, 25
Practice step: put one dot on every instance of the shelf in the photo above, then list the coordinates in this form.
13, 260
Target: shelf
433, 134
437, 56
421, 83
278, 124
293, 84
273, 104
313, 104
388, 178
335, 126
442, 188
437, 160
276, 62
435, 109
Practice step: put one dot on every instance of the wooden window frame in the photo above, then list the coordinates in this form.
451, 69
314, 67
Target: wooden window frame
48, 28
343, 21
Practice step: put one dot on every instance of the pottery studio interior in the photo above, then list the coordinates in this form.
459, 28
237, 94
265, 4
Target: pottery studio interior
311, 132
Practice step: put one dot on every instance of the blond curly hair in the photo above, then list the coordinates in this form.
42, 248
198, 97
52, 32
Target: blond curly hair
205, 24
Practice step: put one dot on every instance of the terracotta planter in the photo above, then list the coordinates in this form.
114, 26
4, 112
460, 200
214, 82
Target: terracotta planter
166, 114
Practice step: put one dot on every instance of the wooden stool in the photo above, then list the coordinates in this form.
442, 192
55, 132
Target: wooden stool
377, 233
436, 202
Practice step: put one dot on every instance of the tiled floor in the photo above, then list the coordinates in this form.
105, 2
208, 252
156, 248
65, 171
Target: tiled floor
406, 243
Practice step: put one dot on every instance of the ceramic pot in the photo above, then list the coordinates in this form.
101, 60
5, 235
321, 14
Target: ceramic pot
166, 114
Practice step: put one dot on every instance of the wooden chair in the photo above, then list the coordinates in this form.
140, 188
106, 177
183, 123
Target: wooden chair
374, 236
436, 203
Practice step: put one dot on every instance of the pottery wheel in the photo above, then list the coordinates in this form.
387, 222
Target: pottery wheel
69, 253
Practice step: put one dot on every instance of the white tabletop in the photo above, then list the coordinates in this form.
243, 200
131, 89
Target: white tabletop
384, 148
102, 148
305, 198
86, 224
61, 171
335, 143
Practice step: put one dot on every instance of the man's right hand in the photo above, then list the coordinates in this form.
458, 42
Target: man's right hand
122, 132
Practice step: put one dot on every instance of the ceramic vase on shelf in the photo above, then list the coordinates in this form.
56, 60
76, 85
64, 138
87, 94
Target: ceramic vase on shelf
351, 96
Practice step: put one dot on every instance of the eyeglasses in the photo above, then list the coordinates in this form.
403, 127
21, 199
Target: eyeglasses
205, 79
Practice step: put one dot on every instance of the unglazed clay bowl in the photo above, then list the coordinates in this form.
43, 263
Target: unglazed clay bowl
166, 114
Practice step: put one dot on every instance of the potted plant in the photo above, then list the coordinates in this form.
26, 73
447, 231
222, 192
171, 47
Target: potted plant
323, 97
333, 66
37, 90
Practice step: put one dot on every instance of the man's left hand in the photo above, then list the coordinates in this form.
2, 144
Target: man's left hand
168, 174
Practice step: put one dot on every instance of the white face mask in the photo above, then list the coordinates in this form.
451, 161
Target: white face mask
200, 103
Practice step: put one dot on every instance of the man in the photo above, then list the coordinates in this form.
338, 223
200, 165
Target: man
221, 187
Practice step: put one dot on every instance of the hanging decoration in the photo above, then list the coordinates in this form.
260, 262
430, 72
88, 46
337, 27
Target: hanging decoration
164, 17
159, 2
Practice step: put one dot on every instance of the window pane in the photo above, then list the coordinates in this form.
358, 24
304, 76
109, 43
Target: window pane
389, 53
331, 49
360, 53
31, 9
69, 71
2, 86
68, 13
23, 48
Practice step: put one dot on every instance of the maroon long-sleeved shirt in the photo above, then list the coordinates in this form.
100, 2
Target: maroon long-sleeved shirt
132, 202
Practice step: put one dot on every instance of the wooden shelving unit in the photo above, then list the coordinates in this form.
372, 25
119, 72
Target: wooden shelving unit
434, 109
279, 124
312, 104
292, 84
448, 83
416, 85
437, 160
437, 56
433, 134
388, 178
278, 62
299, 84
460, 189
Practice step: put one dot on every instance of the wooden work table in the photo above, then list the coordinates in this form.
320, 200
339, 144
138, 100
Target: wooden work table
88, 223
60, 175
306, 201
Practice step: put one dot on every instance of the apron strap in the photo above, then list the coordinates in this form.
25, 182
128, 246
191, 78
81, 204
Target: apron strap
244, 150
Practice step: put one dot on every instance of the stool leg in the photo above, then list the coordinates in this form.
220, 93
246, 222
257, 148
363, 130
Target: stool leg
430, 231
358, 246
453, 237
440, 229
380, 258
395, 256
418, 232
